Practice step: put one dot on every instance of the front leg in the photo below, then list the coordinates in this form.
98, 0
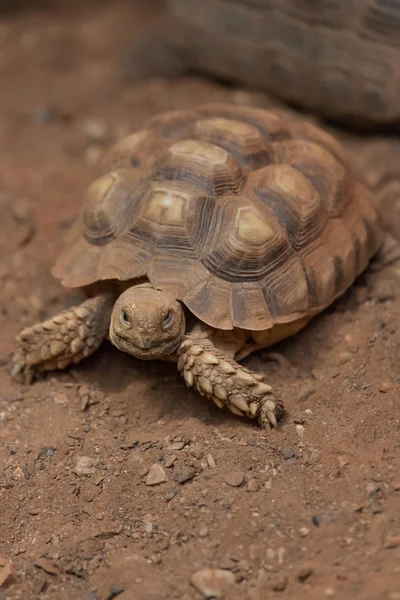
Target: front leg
62, 340
220, 378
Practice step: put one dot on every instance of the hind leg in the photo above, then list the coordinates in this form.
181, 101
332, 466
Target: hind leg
62, 340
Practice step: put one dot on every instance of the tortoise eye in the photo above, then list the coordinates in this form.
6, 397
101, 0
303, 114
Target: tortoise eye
125, 318
168, 319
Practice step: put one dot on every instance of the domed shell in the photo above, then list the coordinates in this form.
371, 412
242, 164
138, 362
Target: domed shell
249, 217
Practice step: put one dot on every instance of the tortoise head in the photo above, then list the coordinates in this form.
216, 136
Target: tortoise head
147, 323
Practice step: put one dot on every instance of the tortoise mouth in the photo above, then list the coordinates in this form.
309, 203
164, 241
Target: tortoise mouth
144, 350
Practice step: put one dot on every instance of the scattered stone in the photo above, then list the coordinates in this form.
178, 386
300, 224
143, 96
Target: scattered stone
114, 591
392, 541
83, 466
304, 531
156, 475
253, 485
329, 592
213, 583
183, 473
300, 431
384, 387
210, 461
288, 454
46, 565
8, 575
304, 571
18, 474
234, 478
176, 446
196, 451
46, 452
278, 582
170, 461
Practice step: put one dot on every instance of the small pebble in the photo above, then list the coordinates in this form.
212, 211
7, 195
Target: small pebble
176, 446
384, 387
392, 541
170, 461
213, 583
210, 461
329, 592
183, 473
234, 479
18, 474
253, 485
8, 576
156, 475
83, 466
304, 571
203, 530
300, 431
304, 531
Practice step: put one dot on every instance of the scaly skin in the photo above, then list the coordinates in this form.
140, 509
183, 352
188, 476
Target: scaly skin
227, 383
62, 340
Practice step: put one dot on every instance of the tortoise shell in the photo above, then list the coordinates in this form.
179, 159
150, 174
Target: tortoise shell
340, 59
249, 217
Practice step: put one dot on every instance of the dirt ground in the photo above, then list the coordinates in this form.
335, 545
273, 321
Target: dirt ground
310, 510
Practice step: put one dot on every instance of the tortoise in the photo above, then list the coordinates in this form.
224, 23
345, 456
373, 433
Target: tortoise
209, 234
338, 59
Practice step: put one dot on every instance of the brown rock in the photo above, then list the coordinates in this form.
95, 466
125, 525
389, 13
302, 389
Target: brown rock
156, 475
183, 473
213, 583
253, 485
46, 565
234, 478
8, 576
83, 466
304, 571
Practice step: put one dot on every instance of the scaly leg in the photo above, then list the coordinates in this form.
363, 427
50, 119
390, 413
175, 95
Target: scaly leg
220, 378
66, 338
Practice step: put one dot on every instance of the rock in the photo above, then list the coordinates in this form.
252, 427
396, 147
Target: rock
304, 571
83, 466
234, 478
18, 474
8, 575
385, 387
203, 530
213, 583
156, 475
170, 461
392, 541
210, 461
304, 531
253, 485
176, 446
183, 473
46, 565
288, 454
329, 592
